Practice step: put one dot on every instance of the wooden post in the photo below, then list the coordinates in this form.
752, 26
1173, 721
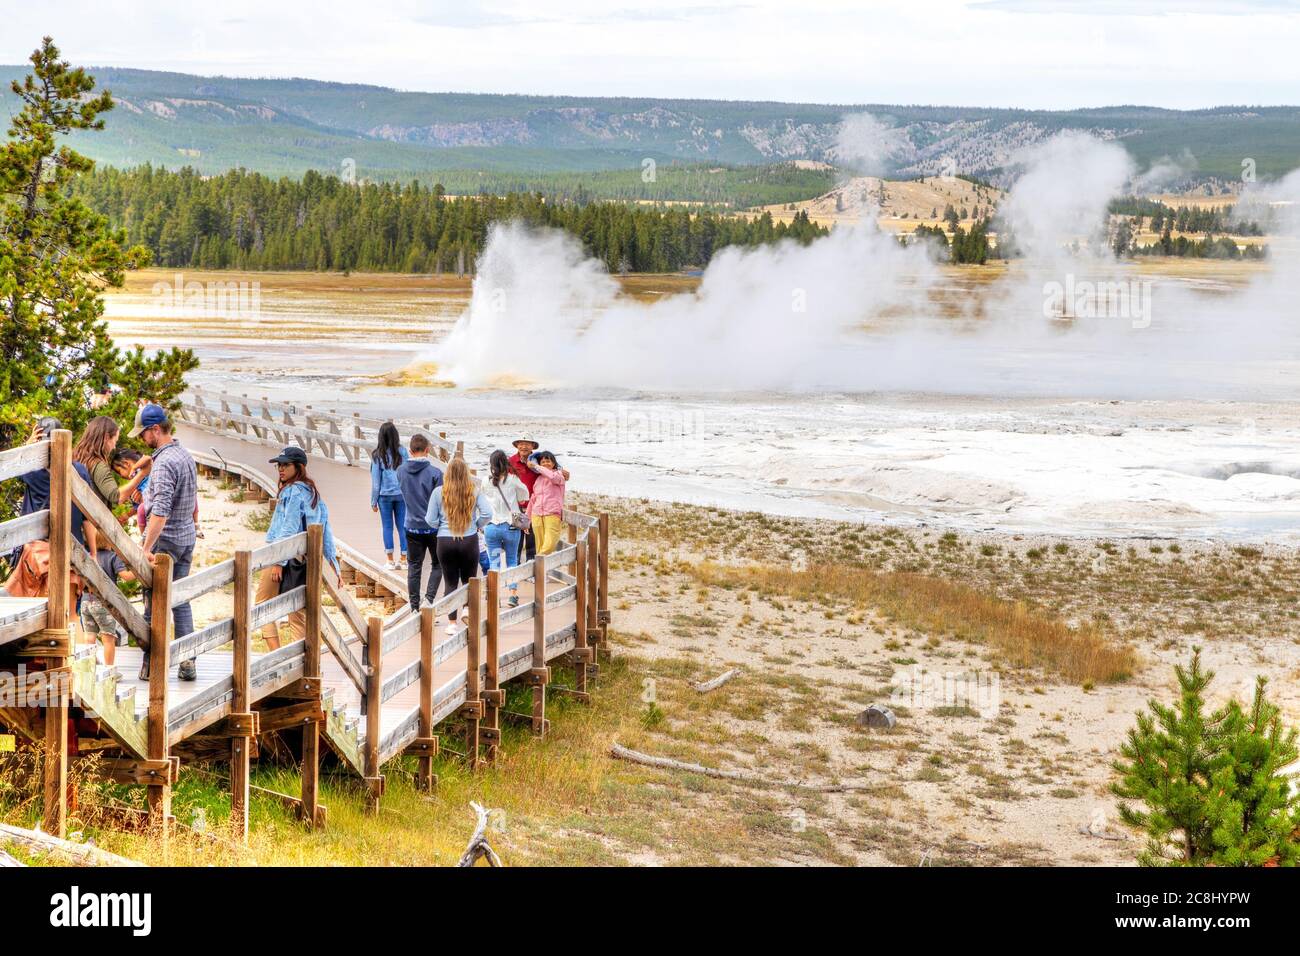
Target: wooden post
593, 587
424, 780
160, 794
442, 452
539, 675
241, 696
602, 615
57, 613
494, 697
473, 682
580, 658
311, 671
374, 689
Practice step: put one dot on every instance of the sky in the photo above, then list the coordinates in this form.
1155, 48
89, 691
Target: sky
1041, 54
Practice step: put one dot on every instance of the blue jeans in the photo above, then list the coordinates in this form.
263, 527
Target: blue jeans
503, 547
182, 616
392, 514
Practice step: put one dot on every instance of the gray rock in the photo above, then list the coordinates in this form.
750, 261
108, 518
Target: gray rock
880, 718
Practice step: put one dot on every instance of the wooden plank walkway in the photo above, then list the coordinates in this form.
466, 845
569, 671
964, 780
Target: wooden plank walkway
195, 705
20, 617
375, 688
346, 491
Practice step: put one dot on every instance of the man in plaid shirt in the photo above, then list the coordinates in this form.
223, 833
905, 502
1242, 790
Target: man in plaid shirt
173, 508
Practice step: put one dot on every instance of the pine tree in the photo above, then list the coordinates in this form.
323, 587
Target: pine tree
1253, 809
1123, 242
56, 256
1169, 760
1211, 782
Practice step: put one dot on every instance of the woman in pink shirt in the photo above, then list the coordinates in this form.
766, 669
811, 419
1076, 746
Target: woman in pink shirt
546, 503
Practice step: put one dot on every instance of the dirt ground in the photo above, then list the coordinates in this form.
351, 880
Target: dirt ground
998, 763
1005, 765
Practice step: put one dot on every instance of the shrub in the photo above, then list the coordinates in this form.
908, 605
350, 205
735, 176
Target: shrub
1211, 782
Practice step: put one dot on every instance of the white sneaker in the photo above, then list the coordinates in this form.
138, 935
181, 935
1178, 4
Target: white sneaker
452, 628
389, 566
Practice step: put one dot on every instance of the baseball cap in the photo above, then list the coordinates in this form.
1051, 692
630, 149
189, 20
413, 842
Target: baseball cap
147, 417
292, 455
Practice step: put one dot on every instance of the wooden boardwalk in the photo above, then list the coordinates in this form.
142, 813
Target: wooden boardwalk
373, 689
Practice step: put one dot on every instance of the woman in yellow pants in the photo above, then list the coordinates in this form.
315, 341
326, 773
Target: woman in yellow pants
546, 503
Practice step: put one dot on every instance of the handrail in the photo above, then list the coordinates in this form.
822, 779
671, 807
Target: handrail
562, 557
108, 592
220, 632
358, 444
398, 634
520, 572
24, 458
579, 520
88, 500
307, 411
257, 477
348, 606
217, 576
404, 678
451, 645
19, 531
278, 552
203, 581
353, 668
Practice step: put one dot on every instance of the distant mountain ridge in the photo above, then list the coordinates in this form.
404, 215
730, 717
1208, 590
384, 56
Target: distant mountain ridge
286, 126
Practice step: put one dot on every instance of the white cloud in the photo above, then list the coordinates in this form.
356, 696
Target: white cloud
1054, 54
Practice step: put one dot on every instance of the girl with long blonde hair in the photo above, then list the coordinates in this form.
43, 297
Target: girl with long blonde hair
457, 510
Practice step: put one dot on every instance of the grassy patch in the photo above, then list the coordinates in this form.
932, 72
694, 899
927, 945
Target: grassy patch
1023, 634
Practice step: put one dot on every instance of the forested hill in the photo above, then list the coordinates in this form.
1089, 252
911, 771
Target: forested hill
288, 126
248, 221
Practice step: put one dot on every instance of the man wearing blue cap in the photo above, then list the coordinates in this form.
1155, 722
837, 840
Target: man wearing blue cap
173, 506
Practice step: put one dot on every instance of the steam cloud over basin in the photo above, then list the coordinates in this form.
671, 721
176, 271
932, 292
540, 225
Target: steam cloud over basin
856, 311
1205, 439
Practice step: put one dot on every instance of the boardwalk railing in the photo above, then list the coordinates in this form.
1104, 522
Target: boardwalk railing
344, 438
376, 693
35, 630
144, 745
366, 734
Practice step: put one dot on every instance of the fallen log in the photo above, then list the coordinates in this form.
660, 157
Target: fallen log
665, 763
717, 682
478, 844
77, 854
